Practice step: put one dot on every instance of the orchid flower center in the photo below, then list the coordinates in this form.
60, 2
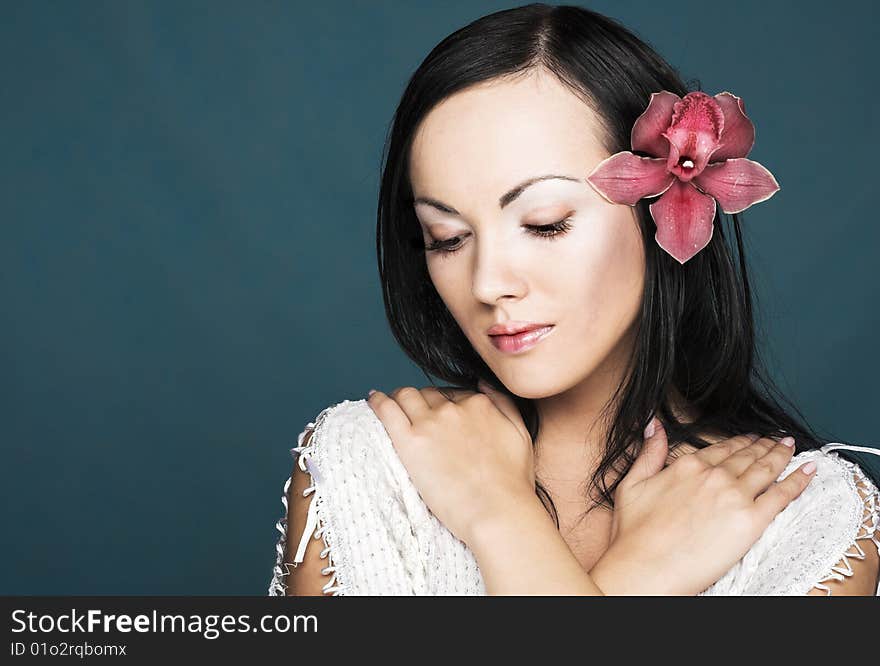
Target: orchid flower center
687, 164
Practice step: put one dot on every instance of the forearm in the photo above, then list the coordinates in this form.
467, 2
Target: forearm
522, 552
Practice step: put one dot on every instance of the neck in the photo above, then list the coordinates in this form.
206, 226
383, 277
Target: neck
574, 424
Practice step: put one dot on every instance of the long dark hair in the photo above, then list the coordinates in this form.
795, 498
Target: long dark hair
695, 331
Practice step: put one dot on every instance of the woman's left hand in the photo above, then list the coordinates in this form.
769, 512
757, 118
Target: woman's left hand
470, 457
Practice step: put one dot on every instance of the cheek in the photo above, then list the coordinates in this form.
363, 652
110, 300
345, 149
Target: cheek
606, 273
451, 284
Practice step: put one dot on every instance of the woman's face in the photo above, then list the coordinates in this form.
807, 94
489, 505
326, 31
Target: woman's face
468, 155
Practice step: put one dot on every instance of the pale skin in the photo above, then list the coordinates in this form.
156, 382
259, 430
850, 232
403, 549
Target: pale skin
469, 454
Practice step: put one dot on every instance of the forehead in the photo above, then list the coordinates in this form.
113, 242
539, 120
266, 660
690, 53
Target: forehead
497, 133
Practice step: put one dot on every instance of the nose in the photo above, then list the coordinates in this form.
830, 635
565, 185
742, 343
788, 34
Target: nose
496, 275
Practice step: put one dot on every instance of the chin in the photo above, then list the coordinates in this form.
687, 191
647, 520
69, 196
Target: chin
530, 386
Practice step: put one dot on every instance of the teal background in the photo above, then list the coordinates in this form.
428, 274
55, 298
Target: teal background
188, 264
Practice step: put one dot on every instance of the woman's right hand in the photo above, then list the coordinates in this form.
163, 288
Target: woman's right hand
675, 531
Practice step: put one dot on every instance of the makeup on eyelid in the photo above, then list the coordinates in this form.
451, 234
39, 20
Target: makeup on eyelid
545, 214
550, 231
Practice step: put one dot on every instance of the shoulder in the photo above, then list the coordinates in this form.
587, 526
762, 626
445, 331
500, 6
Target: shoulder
352, 462
348, 442
357, 471
827, 540
857, 571
348, 489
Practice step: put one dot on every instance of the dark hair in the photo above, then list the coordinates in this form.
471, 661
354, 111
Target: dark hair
695, 333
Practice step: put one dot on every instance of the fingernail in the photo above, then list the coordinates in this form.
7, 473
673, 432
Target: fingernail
809, 468
788, 441
649, 429
371, 392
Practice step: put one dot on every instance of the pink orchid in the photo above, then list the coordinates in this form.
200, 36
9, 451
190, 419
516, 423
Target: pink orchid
698, 146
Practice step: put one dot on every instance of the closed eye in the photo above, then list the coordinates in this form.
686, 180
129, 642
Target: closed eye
548, 231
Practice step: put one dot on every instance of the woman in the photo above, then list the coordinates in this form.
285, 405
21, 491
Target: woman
510, 196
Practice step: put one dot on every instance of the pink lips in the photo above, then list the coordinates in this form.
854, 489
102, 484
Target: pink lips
520, 342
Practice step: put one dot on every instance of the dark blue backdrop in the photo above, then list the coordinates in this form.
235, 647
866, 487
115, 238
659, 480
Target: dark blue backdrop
188, 269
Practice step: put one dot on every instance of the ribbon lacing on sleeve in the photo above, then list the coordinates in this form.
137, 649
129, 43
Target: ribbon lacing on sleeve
870, 517
315, 526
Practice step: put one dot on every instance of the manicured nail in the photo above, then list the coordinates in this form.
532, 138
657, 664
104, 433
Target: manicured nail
810, 467
649, 429
788, 441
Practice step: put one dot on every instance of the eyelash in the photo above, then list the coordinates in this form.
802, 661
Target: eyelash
553, 231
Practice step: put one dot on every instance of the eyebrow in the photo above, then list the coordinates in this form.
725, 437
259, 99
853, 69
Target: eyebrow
505, 199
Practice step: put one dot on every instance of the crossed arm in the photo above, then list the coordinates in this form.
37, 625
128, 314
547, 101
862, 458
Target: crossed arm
535, 545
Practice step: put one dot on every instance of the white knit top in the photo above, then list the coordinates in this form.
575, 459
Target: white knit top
380, 538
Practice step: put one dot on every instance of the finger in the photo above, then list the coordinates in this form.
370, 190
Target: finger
438, 395
506, 406
411, 402
764, 471
780, 495
715, 454
396, 422
740, 461
434, 396
651, 457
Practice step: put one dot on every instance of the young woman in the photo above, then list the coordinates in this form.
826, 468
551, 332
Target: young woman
547, 170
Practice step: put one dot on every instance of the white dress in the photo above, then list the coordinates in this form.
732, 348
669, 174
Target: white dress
380, 538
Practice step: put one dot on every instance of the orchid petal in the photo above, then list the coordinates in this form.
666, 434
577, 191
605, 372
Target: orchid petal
647, 132
694, 134
737, 183
738, 136
625, 178
684, 218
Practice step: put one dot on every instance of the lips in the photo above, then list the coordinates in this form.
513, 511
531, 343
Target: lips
520, 342
514, 327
